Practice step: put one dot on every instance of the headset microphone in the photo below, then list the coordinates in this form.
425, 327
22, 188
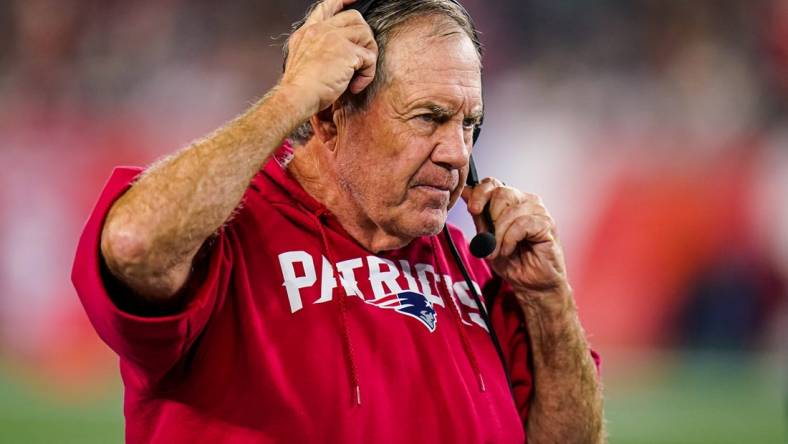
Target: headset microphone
483, 244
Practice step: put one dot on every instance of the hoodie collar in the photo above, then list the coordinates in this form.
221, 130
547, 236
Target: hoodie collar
276, 170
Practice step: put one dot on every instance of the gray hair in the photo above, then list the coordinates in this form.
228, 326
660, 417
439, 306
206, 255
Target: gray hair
384, 17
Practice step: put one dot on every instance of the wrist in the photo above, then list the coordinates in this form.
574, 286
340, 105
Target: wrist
300, 102
553, 306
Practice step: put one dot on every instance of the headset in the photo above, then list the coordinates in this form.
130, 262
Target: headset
483, 244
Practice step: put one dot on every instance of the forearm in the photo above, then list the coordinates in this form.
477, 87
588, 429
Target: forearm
567, 402
154, 230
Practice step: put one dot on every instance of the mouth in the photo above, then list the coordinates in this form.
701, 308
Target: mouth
434, 188
448, 185
437, 196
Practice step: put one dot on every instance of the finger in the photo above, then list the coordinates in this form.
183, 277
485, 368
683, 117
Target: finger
326, 10
352, 26
355, 29
505, 220
481, 194
502, 198
365, 70
478, 220
533, 228
527, 208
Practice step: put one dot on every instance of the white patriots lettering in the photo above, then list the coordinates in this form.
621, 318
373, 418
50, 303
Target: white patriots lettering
293, 283
412, 286
379, 282
348, 278
378, 277
327, 282
461, 290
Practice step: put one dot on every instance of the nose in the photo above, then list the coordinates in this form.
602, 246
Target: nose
453, 146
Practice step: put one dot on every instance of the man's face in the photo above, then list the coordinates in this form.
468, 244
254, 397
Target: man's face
404, 159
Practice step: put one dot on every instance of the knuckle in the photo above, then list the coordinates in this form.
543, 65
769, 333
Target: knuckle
309, 32
543, 223
534, 199
488, 186
501, 192
312, 31
355, 15
295, 39
366, 53
547, 220
518, 227
373, 56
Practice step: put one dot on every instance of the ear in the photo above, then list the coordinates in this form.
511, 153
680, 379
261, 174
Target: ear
324, 126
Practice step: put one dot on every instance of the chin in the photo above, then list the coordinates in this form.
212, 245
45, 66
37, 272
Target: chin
429, 223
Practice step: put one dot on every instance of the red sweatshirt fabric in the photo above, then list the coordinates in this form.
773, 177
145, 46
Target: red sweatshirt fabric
295, 333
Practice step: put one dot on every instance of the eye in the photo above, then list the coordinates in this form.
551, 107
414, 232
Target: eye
429, 118
469, 123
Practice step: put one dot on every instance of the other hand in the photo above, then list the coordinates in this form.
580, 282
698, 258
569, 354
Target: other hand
527, 253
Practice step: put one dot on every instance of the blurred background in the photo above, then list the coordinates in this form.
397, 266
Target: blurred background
655, 130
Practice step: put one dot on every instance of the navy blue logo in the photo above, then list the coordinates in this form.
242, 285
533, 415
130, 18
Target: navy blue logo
412, 304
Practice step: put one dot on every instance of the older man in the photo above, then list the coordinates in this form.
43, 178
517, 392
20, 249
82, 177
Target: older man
311, 301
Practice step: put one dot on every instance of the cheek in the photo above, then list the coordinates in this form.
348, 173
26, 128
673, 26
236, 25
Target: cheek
396, 164
456, 194
385, 156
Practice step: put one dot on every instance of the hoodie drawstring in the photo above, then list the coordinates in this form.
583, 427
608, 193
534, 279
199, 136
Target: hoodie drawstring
347, 343
449, 302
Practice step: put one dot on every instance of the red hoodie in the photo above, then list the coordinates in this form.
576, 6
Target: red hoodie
296, 333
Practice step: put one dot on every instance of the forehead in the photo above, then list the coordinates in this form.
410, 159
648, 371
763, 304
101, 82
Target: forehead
432, 57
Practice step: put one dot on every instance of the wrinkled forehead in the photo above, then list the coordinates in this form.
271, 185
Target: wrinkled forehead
431, 38
433, 53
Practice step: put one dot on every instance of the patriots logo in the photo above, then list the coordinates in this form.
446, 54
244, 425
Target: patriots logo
412, 304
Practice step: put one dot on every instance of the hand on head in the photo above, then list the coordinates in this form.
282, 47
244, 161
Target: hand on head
332, 52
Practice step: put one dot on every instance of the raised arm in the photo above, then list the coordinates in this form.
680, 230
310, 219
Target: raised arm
567, 396
153, 232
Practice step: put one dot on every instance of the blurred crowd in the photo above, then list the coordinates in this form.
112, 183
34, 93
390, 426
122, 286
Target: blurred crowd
655, 130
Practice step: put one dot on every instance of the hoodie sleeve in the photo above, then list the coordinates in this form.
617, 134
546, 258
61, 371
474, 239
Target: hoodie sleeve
153, 344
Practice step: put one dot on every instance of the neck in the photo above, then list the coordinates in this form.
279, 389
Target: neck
313, 167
